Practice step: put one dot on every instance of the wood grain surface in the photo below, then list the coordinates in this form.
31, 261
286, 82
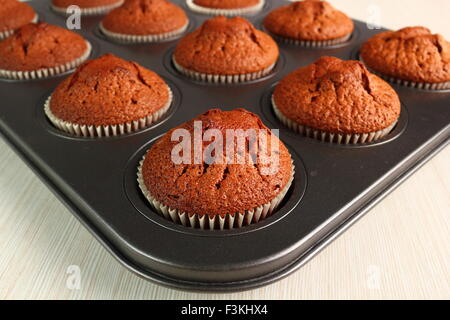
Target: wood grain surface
400, 249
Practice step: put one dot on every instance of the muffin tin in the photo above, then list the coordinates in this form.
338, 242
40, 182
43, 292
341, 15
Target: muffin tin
334, 184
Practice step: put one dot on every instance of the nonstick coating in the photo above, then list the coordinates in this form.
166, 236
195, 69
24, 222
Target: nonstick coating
334, 185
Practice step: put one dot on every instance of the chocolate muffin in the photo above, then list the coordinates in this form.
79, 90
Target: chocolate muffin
88, 7
108, 96
13, 15
41, 50
411, 56
309, 23
141, 21
337, 101
217, 193
226, 50
226, 7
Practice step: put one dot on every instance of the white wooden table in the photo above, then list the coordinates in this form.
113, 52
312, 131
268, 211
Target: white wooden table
401, 249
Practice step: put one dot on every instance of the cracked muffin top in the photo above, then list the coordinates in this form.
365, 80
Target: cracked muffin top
309, 20
84, 4
411, 53
218, 188
15, 14
143, 17
109, 91
227, 4
337, 96
226, 47
40, 46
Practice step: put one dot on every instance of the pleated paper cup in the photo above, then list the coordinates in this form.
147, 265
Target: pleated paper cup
325, 136
225, 12
48, 72
90, 131
210, 221
407, 83
222, 79
7, 33
90, 11
312, 43
129, 38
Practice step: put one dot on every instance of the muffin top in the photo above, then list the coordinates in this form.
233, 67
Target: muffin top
143, 17
84, 4
227, 4
109, 91
217, 188
309, 20
337, 96
15, 14
40, 46
227, 47
412, 54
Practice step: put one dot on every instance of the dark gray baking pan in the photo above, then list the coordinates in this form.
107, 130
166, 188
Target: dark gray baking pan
334, 185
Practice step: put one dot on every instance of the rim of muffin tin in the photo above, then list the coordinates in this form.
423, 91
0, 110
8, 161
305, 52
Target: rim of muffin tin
287, 206
268, 114
170, 67
43, 120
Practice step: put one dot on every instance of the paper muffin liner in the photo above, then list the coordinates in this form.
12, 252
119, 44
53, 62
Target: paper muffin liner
214, 222
312, 43
90, 11
225, 12
407, 83
129, 38
90, 131
222, 79
7, 33
46, 73
330, 137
